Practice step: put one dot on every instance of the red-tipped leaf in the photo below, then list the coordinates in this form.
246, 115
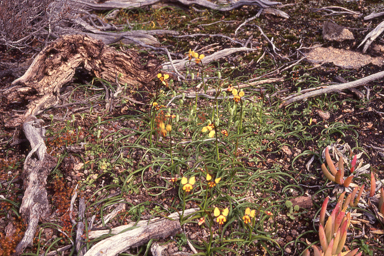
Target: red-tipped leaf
339, 220
335, 242
352, 253
328, 252
381, 200
359, 195
323, 238
348, 181
327, 173
373, 185
341, 198
353, 195
329, 227
329, 162
339, 178
316, 250
323, 210
346, 203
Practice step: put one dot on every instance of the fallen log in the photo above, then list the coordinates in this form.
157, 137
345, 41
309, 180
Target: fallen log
56, 64
145, 231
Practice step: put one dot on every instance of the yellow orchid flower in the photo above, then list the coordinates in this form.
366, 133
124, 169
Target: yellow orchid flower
212, 184
248, 215
221, 218
188, 184
163, 78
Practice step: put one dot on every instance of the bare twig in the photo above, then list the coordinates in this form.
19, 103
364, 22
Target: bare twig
212, 35
373, 15
333, 88
248, 20
372, 36
205, 95
332, 10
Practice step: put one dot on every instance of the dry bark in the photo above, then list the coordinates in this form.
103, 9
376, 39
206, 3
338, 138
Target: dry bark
55, 65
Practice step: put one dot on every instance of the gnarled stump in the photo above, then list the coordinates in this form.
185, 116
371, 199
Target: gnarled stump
55, 65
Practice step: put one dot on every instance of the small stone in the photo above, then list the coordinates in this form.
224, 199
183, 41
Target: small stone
303, 201
286, 150
335, 32
324, 115
287, 250
294, 232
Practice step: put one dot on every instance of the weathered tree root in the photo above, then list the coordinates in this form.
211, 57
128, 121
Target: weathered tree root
35, 204
55, 65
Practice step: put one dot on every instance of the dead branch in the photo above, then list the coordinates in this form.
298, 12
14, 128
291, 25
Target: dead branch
55, 65
373, 15
114, 231
134, 238
80, 228
333, 11
213, 35
116, 4
241, 86
333, 88
144, 232
372, 36
181, 64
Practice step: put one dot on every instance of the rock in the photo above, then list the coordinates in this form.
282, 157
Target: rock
302, 201
286, 150
334, 32
325, 115
342, 58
